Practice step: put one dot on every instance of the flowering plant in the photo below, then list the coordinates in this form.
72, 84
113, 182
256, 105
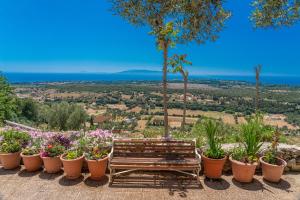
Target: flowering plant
34, 145
12, 141
98, 144
55, 146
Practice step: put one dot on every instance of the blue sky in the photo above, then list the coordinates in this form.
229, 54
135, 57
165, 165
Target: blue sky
83, 36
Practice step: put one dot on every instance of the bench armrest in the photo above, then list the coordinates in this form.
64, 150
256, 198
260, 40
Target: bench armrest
198, 156
110, 155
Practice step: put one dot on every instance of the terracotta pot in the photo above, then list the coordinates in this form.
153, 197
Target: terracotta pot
32, 162
213, 167
272, 172
243, 172
72, 168
10, 160
97, 168
52, 164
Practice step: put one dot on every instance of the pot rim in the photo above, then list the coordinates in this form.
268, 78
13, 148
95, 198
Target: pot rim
65, 160
102, 159
34, 155
7, 154
242, 163
47, 157
224, 158
284, 163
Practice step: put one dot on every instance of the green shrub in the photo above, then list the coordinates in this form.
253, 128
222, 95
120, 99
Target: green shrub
12, 141
73, 154
10, 146
239, 153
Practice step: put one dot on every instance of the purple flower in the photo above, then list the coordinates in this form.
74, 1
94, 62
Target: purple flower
62, 140
99, 133
44, 154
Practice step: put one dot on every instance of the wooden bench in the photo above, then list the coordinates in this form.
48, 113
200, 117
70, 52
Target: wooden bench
128, 155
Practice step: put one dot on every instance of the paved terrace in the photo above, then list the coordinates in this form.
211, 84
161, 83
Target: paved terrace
19, 184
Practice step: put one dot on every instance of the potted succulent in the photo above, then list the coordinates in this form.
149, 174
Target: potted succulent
73, 159
96, 153
244, 158
272, 166
214, 157
11, 143
51, 152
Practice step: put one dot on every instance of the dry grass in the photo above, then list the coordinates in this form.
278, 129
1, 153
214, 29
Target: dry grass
117, 106
278, 120
141, 125
136, 109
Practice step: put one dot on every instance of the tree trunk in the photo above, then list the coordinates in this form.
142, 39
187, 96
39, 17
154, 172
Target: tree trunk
257, 95
165, 98
184, 101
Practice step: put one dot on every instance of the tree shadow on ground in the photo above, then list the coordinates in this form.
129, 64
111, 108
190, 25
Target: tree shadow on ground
176, 184
282, 185
216, 184
25, 173
96, 183
70, 182
9, 171
47, 176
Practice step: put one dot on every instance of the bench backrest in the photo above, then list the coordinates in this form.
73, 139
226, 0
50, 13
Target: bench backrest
171, 149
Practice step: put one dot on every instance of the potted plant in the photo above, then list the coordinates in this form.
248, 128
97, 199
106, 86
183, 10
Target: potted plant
98, 147
272, 166
73, 159
31, 155
52, 150
11, 143
214, 157
72, 163
244, 158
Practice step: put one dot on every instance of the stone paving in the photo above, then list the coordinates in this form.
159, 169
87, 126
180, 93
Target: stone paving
19, 184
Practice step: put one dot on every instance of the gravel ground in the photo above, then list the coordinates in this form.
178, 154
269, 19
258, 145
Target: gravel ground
19, 184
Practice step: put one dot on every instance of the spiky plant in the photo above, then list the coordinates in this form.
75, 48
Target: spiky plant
215, 150
251, 135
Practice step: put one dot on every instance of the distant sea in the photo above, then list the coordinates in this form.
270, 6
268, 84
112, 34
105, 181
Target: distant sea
76, 77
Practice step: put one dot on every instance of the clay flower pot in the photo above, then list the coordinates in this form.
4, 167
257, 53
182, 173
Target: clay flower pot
213, 167
242, 172
32, 162
272, 172
97, 168
52, 164
10, 160
72, 168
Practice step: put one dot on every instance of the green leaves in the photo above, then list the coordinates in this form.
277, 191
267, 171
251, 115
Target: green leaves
193, 20
7, 100
252, 135
212, 133
275, 13
177, 63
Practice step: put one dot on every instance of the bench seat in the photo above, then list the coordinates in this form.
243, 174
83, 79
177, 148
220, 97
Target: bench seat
153, 155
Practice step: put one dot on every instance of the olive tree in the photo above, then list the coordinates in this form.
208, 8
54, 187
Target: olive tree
177, 63
7, 100
194, 20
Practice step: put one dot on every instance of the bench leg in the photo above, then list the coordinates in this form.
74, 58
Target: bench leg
111, 176
198, 177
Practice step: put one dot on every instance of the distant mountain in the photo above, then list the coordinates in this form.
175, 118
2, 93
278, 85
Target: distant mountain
140, 72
